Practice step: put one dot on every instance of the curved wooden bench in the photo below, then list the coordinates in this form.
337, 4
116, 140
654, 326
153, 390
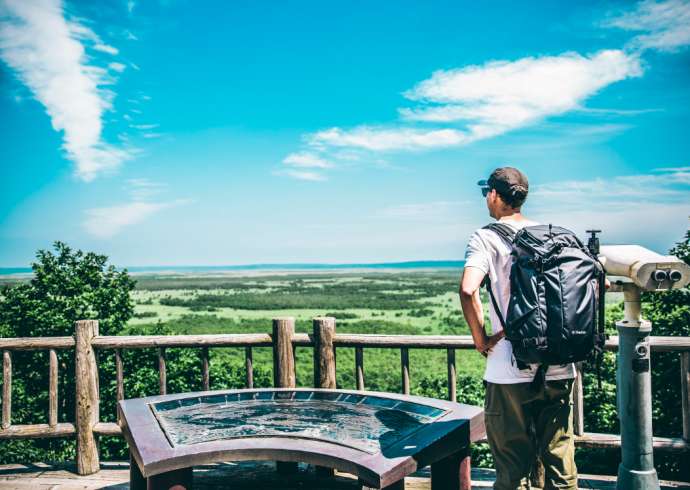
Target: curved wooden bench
379, 437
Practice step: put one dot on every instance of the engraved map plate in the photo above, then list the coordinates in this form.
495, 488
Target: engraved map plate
363, 422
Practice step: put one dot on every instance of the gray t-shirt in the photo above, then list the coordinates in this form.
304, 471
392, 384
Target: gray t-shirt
491, 254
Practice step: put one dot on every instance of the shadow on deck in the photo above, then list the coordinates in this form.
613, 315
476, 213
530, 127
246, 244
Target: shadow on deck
242, 476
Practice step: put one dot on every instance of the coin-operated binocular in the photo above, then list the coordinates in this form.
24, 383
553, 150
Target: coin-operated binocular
638, 269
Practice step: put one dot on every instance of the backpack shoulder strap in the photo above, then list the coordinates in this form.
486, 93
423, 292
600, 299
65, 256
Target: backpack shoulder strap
504, 231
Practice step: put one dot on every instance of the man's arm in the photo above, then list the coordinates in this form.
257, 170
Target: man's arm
472, 278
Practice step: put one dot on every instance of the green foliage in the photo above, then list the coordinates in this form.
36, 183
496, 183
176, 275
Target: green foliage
73, 285
67, 286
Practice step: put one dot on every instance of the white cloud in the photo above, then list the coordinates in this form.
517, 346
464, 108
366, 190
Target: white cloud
478, 102
666, 24
385, 139
109, 221
306, 160
444, 211
666, 186
144, 189
118, 67
43, 48
105, 48
503, 95
106, 222
144, 126
303, 175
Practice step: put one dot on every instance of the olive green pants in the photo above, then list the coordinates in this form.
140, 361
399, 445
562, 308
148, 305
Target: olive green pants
523, 424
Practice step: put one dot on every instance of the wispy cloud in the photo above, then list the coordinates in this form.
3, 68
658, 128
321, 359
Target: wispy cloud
110, 221
387, 139
667, 186
118, 67
44, 49
106, 222
306, 160
665, 25
460, 106
303, 175
500, 96
144, 189
444, 211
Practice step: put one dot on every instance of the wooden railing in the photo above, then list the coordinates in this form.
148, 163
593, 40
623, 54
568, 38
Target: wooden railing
324, 340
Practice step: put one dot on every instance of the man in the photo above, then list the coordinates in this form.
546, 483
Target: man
522, 423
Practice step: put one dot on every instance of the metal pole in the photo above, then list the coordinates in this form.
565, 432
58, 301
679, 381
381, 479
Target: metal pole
633, 376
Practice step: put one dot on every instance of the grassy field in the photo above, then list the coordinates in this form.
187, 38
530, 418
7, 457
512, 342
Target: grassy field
421, 303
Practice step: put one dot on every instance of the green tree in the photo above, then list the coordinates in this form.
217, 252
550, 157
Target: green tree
66, 286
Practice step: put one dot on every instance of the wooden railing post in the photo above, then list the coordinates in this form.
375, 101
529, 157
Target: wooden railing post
359, 367
87, 399
6, 389
283, 359
249, 367
324, 352
452, 376
284, 369
52, 388
405, 370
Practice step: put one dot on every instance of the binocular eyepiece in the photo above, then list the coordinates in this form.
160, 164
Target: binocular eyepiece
661, 275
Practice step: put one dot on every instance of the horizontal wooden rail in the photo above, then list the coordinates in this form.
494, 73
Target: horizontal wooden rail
107, 429
36, 343
659, 344
37, 431
148, 341
404, 341
612, 441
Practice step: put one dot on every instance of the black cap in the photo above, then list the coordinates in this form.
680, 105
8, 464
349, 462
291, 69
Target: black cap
507, 181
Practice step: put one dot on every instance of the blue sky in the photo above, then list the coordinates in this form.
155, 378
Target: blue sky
209, 133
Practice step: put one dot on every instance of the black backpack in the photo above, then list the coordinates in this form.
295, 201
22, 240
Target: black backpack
556, 297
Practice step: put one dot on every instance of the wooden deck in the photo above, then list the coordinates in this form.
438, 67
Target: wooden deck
244, 476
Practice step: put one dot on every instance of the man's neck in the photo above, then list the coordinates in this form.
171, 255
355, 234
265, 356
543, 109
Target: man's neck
511, 216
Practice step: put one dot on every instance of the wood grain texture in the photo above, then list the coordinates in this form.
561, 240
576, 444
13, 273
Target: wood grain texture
205, 376
87, 398
37, 431
162, 372
249, 367
452, 376
52, 388
6, 389
283, 356
148, 341
359, 367
324, 352
405, 370
36, 343
119, 376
